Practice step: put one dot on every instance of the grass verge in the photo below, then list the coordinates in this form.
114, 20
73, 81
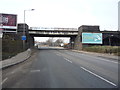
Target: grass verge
115, 50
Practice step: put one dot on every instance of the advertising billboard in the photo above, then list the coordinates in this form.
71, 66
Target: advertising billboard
92, 38
8, 21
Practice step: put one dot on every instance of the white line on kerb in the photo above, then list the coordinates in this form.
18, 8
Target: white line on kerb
4, 81
99, 77
68, 60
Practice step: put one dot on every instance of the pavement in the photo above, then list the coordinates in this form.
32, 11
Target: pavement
16, 59
56, 68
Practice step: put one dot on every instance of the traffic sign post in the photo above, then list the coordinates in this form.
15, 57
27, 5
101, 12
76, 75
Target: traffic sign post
23, 37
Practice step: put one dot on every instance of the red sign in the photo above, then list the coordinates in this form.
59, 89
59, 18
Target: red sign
8, 20
1, 29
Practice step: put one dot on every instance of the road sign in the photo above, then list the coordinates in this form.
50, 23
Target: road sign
8, 22
92, 38
23, 37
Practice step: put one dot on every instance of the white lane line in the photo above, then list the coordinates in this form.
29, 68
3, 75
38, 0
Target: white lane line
12, 72
58, 54
4, 81
33, 71
99, 77
68, 60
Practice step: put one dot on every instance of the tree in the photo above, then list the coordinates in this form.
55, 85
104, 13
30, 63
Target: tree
49, 42
58, 42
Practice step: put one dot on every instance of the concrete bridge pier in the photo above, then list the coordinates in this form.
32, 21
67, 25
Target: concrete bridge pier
72, 42
78, 45
78, 42
31, 41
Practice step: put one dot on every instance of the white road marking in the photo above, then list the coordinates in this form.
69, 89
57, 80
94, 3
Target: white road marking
68, 60
99, 77
33, 71
55, 52
4, 81
58, 54
12, 72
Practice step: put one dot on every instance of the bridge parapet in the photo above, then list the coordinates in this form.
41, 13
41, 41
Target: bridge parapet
54, 32
55, 28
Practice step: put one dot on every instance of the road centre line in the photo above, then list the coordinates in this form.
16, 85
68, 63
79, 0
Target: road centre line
4, 81
68, 60
58, 54
35, 71
12, 72
75, 54
99, 76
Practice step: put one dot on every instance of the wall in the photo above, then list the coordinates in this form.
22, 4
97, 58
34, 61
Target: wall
84, 28
12, 43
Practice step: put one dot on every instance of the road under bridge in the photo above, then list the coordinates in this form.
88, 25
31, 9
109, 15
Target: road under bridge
111, 38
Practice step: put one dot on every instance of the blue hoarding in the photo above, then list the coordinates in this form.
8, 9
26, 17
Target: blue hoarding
92, 38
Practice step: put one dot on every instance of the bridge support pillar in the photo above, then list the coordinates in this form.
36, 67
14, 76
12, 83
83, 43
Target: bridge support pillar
78, 45
72, 42
31, 41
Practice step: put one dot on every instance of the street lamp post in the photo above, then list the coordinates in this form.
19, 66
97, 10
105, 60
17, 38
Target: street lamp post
24, 28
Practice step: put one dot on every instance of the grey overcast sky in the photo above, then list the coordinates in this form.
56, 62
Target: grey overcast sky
64, 13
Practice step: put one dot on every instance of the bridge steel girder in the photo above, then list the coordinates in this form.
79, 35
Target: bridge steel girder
44, 33
38, 35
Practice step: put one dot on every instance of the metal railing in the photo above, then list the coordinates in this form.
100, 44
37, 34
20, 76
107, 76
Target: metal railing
53, 33
55, 28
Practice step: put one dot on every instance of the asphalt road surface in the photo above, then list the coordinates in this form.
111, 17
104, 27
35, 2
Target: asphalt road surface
56, 68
